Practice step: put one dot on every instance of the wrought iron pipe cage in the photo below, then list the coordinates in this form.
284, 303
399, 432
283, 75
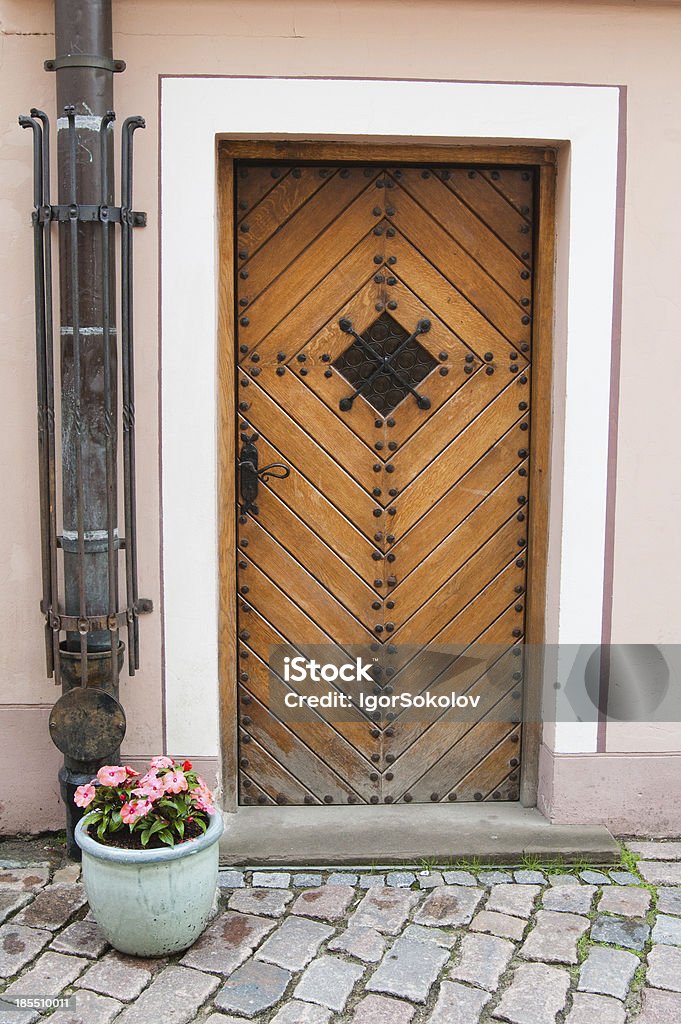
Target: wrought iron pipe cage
85, 628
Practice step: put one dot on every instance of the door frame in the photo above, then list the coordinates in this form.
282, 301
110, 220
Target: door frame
540, 158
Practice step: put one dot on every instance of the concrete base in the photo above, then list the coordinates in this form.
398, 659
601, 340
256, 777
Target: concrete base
406, 835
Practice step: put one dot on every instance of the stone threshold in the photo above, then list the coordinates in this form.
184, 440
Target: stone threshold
443, 834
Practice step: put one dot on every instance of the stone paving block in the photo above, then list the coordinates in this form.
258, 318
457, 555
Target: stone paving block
112, 976
517, 900
49, 975
633, 901
365, 943
329, 982
18, 1016
385, 909
430, 879
382, 1010
667, 930
625, 878
418, 932
10, 863
661, 872
669, 900
459, 878
173, 997
457, 1004
294, 1012
328, 903
498, 924
53, 906
253, 988
306, 881
270, 902
608, 972
535, 996
589, 1009
494, 877
527, 877
82, 938
560, 879
294, 943
271, 879
595, 878
24, 879
400, 879
569, 899
91, 1008
657, 850
482, 960
371, 881
19, 945
620, 931
554, 937
218, 1018
449, 906
69, 874
664, 968
341, 878
11, 900
660, 1007
231, 879
409, 969
227, 942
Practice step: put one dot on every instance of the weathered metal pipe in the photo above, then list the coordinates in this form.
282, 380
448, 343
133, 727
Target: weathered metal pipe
85, 170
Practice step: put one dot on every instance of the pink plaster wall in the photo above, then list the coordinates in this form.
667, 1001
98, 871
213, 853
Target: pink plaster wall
635, 44
632, 794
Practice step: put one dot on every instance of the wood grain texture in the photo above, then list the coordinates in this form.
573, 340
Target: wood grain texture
403, 534
227, 609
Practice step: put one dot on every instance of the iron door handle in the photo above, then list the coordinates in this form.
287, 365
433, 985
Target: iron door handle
250, 474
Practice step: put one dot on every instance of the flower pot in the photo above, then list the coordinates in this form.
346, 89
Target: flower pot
151, 902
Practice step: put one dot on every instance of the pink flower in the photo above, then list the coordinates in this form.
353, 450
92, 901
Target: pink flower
130, 771
161, 762
203, 799
151, 787
174, 782
84, 795
134, 810
112, 775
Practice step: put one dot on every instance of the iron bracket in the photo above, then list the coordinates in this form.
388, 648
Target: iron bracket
88, 212
84, 60
93, 623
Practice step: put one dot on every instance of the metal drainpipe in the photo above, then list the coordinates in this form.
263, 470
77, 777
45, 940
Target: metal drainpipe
83, 29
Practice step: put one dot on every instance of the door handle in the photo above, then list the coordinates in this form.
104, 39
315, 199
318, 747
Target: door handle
250, 474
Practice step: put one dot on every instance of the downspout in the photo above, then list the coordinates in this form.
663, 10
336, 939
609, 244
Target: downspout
83, 30
81, 600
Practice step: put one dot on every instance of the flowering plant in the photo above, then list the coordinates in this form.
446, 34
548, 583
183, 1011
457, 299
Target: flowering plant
167, 802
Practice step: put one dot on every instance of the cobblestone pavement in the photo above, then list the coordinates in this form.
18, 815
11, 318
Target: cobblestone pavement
457, 945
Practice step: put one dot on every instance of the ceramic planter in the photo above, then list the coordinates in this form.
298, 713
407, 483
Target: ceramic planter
151, 902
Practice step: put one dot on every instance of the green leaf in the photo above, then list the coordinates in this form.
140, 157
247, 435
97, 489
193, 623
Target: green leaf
166, 837
201, 823
179, 825
145, 838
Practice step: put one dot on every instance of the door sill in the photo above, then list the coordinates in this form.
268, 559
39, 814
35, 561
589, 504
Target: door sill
357, 835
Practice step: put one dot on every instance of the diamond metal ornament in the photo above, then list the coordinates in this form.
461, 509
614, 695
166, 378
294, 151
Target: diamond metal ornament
385, 363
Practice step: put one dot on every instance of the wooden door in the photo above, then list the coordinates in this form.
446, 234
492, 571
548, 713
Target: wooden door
384, 333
